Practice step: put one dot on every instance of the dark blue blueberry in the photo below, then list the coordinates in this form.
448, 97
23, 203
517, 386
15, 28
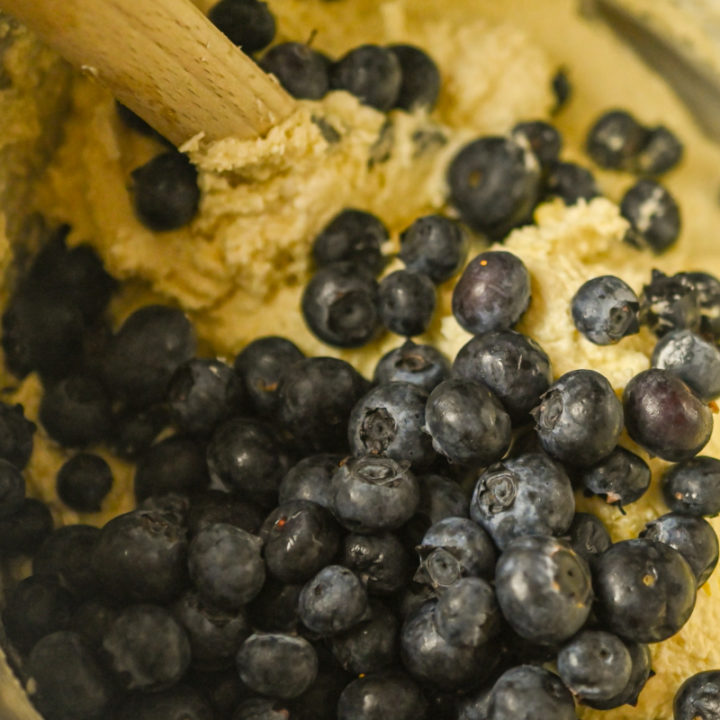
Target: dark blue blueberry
141, 556
661, 152
693, 487
494, 183
615, 140
440, 497
132, 121
639, 675
275, 607
92, 619
467, 423
525, 495
135, 431
420, 85
69, 681
512, 365
595, 665
12, 489
492, 293
389, 421
557, 579
372, 73
216, 506
670, 302
173, 506
23, 531
421, 365
310, 479
588, 536
707, 289
620, 478
180, 702
223, 689
215, 635
475, 707
319, 701
406, 302
355, 236
340, 305
333, 601
261, 364
693, 359
645, 590
381, 696
248, 23
435, 246
16, 435
653, 214
467, 612
84, 481
147, 648
380, 561
570, 182
165, 192
374, 493
579, 419
605, 310
562, 89
261, 709
37, 606
664, 416
145, 352
693, 537
226, 566
698, 698
543, 138
454, 548
300, 538
302, 71
528, 692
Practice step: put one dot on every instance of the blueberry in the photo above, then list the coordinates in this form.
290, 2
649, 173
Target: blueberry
707, 289
698, 698
620, 478
587, 536
226, 566
665, 417
180, 702
475, 707
661, 152
435, 246
527, 692
420, 85
147, 648
16, 435
333, 601
216, 506
653, 214
467, 423
440, 497
300, 538
605, 310
380, 696
261, 364
68, 680
543, 138
141, 556
12, 489
310, 479
526, 495
135, 431
222, 689
380, 561
372, 73
543, 588
84, 481
570, 182
355, 236
406, 302
145, 352
645, 590
494, 184
275, 607
693, 359
467, 612
692, 487
92, 619
22, 532
316, 397
512, 365
248, 23
302, 71
615, 140
670, 303
693, 537
492, 293
319, 701
421, 365
374, 493
261, 709
174, 507
641, 671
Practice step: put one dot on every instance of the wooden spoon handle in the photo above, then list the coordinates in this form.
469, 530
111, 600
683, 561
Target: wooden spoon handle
164, 60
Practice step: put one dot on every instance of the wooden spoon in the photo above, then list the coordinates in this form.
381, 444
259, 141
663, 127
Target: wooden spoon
164, 60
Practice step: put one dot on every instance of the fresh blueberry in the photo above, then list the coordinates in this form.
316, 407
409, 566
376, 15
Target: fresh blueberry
440, 498
381, 696
707, 289
173, 506
333, 601
525, 495
570, 182
693, 359
543, 138
645, 590
310, 479
543, 588
605, 310
92, 619
475, 707
12, 489
562, 89
664, 416
261, 709
698, 698
372, 73
84, 481
512, 365
23, 531
653, 214
135, 431
420, 84
494, 183
374, 493
620, 478
380, 561
248, 23
692, 487
467, 612
492, 293
587, 536
670, 303
16, 435
639, 675
421, 365
181, 702
319, 701
661, 152
226, 566
467, 423
340, 305
693, 537
615, 140
216, 506
302, 71
406, 302
435, 246
275, 607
